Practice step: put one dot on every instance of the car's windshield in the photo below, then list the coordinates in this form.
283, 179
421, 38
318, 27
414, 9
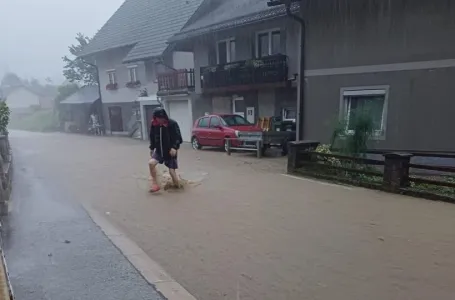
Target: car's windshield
234, 120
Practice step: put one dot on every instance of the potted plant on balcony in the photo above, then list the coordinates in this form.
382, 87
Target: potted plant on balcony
254, 63
133, 84
111, 86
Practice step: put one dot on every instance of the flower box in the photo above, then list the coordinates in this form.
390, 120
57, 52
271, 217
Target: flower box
111, 86
133, 84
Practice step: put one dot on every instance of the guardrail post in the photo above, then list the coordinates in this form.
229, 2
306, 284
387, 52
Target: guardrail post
396, 171
259, 148
228, 146
299, 153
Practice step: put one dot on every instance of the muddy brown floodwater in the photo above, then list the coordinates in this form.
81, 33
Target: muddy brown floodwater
247, 232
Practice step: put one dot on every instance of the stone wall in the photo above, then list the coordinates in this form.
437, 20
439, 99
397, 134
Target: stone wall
6, 173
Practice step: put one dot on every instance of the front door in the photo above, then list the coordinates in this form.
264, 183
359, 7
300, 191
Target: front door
115, 118
238, 106
250, 117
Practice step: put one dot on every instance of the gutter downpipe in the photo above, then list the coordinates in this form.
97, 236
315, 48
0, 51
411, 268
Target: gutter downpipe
99, 92
301, 82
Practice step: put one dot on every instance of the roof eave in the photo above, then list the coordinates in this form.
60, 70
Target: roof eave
96, 52
140, 58
206, 30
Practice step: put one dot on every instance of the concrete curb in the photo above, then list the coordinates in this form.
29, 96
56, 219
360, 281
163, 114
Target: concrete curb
149, 269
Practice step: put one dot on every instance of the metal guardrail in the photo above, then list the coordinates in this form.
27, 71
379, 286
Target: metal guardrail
256, 145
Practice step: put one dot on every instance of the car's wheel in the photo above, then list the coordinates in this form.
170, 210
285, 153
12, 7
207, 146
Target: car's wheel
195, 143
226, 145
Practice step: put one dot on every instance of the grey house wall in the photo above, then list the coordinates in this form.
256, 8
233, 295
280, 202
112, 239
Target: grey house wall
362, 44
204, 48
267, 102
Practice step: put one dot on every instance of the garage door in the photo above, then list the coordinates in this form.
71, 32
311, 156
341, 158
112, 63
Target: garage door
179, 111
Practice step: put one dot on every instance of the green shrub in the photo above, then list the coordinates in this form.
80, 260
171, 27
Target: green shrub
41, 121
326, 149
4, 117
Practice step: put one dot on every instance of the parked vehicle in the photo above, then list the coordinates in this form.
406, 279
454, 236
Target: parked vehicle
214, 131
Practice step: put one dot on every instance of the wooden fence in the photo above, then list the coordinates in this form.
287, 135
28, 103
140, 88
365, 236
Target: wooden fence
394, 173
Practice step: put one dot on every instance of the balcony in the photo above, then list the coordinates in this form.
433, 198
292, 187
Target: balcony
270, 71
175, 82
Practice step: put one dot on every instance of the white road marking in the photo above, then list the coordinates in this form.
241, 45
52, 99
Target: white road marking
319, 182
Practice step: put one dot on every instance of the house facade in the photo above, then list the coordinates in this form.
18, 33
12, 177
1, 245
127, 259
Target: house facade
245, 59
22, 100
76, 109
396, 58
129, 51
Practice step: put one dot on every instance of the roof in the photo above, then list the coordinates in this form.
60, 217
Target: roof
146, 25
48, 91
86, 94
230, 14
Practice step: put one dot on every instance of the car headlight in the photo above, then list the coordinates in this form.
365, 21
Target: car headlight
236, 133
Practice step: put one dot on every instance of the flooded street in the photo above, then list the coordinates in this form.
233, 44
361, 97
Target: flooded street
247, 231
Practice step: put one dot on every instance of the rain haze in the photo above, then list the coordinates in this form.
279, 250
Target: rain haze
35, 35
326, 121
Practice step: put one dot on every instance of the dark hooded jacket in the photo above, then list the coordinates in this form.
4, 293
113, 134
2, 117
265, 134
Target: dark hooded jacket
165, 136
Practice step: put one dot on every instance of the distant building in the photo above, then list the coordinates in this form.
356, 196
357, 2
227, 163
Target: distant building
23, 99
130, 50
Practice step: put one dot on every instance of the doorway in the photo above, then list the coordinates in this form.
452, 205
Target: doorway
238, 106
115, 118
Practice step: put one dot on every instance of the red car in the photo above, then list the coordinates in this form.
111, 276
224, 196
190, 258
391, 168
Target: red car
212, 130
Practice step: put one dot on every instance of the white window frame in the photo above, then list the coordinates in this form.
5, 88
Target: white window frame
112, 77
365, 91
132, 73
269, 34
228, 50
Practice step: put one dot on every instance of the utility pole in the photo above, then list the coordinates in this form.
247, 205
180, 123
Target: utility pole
301, 80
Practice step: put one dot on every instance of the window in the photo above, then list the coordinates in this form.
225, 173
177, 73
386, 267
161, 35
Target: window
112, 77
215, 122
268, 43
204, 122
225, 51
371, 102
289, 114
132, 72
234, 120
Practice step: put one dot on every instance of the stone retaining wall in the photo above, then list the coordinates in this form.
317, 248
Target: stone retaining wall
6, 173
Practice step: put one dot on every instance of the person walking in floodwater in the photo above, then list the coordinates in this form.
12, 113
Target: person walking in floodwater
165, 140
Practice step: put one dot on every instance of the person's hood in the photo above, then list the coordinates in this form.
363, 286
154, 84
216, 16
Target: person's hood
160, 112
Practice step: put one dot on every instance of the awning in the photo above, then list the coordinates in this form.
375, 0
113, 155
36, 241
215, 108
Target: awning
86, 95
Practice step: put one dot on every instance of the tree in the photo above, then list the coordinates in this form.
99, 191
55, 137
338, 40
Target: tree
64, 91
77, 69
11, 80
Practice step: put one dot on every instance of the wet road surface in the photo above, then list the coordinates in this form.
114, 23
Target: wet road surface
53, 249
247, 232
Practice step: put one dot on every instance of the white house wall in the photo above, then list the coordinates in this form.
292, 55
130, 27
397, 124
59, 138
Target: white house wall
112, 60
22, 98
183, 60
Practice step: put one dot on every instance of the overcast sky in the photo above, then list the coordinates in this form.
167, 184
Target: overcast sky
35, 34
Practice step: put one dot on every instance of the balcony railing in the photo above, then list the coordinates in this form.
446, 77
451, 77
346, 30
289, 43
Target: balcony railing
176, 80
266, 70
